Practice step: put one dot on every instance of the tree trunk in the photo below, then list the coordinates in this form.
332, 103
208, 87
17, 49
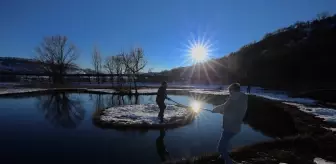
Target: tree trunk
135, 86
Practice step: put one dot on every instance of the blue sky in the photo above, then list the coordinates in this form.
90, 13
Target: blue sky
160, 27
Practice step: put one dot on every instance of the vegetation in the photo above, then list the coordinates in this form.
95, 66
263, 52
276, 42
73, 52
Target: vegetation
97, 62
299, 56
58, 56
134, 62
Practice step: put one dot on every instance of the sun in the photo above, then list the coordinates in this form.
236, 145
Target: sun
198, 50
199, 53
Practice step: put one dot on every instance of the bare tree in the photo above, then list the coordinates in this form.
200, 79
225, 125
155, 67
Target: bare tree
134, 63
150, 70
97, 62
114, 65
57, 56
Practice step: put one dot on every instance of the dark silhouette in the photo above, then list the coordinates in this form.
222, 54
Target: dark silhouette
58, 57
160, 98
248, 89
160, 146
60, 110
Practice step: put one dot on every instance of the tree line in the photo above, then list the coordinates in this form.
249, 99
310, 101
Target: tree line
59, 57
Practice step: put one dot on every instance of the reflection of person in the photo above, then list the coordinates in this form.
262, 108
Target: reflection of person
233, 111
160, 98
160, 146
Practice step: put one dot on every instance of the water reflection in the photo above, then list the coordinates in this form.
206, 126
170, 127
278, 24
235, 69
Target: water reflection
61, 110
161, 147
262, 115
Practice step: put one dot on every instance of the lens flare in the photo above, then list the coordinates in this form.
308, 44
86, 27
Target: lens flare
199, 53
195, 106
198, 49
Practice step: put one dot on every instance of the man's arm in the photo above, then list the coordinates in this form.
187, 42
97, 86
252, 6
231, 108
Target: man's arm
221, 108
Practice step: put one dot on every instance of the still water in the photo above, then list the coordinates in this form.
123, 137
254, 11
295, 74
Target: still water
58, 128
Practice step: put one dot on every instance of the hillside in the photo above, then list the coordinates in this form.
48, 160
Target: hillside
25, 65
300, 56
13, 64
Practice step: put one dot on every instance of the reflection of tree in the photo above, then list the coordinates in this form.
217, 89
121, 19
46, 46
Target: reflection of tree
99, 103
160, 146
114, 100
60, 110
269, 117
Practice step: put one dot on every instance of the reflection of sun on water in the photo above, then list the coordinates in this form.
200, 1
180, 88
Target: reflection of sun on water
195, 106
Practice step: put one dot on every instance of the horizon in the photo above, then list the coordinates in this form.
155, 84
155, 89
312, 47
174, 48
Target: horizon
162, 29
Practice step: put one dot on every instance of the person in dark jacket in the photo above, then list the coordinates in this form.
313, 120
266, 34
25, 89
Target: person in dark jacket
160, 98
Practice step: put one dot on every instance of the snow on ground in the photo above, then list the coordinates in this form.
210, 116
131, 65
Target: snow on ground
141, 114
331, 129
322, 161
207, 92
283, 97
102, 90
328, 114
21, 90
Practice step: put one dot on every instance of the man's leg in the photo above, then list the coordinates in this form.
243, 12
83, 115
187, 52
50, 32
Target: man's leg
162, 107
223, 146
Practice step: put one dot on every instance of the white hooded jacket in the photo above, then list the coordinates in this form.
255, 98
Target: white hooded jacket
233, 111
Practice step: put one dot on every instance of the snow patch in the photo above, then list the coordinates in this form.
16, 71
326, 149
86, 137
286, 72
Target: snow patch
216, 92
285, 98
330, 129
328, 114
322, 161
21, 90
142, 114
102, 90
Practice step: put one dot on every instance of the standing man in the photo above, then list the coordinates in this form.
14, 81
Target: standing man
248, 89
233, 111
160, 98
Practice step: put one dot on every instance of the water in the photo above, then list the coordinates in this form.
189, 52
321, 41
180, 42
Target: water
58, 128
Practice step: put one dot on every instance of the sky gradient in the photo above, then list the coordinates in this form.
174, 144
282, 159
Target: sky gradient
161, 27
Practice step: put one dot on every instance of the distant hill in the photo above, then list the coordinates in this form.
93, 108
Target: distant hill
25, 65
13, 64
300, 56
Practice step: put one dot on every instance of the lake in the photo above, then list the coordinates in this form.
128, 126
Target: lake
58, 128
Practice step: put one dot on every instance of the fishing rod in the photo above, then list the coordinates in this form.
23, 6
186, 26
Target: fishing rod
188, 106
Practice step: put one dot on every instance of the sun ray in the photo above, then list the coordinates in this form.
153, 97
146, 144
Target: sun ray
206, 73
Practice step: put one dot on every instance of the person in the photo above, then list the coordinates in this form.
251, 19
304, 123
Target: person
233, 111
248, 89
160, 98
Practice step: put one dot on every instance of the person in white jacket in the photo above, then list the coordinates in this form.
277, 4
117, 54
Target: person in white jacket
233, 111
